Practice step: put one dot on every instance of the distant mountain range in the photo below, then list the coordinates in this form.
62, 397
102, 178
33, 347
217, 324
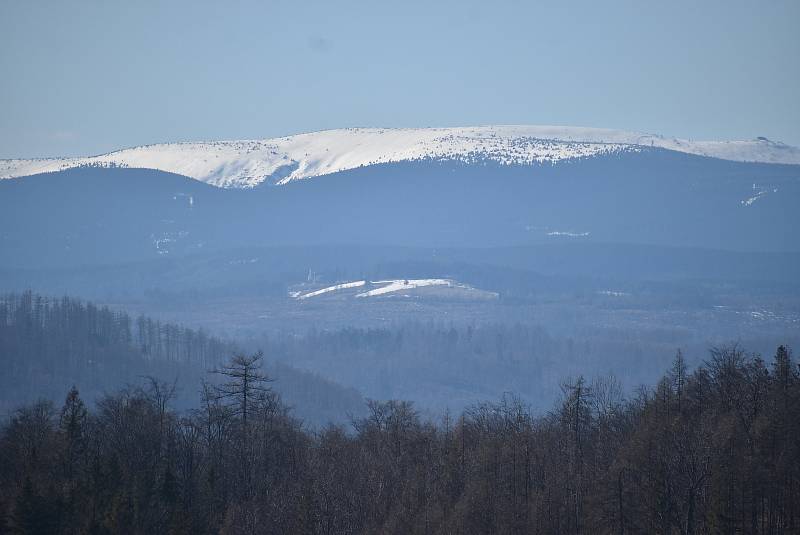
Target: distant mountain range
430, 188
245, 164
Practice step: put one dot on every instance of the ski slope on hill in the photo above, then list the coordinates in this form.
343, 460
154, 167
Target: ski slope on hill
245, 164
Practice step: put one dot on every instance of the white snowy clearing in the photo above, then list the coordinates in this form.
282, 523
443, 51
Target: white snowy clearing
387, 287
329, 289
392, 286
568, 234
245, 164
758, 193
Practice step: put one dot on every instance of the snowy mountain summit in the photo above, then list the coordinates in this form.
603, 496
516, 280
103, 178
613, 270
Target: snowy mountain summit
245, 164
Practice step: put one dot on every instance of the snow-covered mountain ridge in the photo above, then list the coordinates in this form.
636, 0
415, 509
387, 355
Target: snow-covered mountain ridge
244, 164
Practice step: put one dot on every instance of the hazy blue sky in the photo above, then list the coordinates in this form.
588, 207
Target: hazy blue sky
84, 77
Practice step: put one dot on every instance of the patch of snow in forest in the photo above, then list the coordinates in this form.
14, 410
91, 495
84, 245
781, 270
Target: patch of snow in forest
613, 293
568, 234
392, 286
759, 193
329, 289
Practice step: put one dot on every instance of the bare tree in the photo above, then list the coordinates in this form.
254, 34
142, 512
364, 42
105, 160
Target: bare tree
244, 386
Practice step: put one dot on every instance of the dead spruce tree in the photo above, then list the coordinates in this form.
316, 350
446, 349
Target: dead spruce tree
243, 391
244, 386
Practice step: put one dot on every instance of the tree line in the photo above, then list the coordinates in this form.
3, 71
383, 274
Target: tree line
32, 323
48, 344
445, 365
713, 450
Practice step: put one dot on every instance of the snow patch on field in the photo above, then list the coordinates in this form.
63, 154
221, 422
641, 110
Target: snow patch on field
329, 289
568, 234
613, 293
758, 193
392, 286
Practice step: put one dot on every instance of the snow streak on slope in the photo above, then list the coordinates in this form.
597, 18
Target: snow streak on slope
329, 289
245, 164
386, 287
392, 286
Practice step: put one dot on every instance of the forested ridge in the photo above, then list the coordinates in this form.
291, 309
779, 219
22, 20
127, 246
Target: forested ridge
713, 450
446, 365
44, 340
49, 344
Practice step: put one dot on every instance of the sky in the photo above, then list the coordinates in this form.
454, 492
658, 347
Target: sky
86, 77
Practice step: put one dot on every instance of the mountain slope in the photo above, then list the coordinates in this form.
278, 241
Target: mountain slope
244, 164
90, 216
48, 345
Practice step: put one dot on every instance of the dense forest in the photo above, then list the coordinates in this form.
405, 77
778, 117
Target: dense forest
443, 366
713, 450
48, 339
48, 345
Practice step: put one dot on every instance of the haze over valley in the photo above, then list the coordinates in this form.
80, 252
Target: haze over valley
421, 268
611, 250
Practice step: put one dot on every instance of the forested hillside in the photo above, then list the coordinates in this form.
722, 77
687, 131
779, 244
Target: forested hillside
714, 450
440, 366
100, 216
48, 345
